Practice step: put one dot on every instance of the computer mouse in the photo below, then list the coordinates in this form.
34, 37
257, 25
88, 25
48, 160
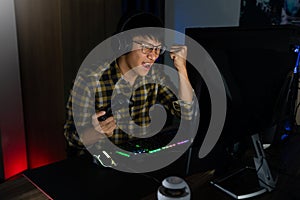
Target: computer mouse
104, 159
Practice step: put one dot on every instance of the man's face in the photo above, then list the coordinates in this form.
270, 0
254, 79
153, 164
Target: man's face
144, 53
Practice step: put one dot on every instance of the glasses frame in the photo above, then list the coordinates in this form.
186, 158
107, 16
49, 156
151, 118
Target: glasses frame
151, 47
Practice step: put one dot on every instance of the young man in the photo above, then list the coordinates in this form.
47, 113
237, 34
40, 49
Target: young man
93, 89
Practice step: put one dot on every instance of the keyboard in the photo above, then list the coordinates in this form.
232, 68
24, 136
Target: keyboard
152, 146
147, 145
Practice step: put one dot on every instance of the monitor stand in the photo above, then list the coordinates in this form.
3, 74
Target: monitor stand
249, 182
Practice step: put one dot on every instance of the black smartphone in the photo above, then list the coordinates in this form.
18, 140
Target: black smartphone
108, 113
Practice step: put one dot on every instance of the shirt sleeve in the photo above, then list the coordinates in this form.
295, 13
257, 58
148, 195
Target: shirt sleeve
79, 112
168, 96
176, 106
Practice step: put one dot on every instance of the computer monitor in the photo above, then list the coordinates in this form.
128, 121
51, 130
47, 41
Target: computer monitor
256, 65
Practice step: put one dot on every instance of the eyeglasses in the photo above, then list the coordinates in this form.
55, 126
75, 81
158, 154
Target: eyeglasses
148, 48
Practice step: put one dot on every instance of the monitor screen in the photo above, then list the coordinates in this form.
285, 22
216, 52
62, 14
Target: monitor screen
256, 65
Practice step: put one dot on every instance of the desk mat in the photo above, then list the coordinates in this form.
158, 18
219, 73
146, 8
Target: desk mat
79, 179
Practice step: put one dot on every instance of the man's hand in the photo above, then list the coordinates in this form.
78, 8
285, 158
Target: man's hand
106, 127
178, 54
99, 130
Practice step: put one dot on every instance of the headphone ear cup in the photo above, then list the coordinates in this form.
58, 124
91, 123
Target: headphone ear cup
115, 44
120, 43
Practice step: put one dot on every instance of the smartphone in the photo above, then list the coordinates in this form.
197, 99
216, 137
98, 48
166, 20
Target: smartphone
108, 113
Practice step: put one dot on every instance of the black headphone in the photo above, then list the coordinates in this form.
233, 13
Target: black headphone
132, 20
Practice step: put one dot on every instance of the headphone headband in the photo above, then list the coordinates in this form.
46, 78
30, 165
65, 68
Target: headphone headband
132, 20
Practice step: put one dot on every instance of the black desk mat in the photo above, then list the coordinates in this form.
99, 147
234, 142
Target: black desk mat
81, 179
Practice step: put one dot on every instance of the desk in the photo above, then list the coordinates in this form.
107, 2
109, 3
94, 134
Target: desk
78, 179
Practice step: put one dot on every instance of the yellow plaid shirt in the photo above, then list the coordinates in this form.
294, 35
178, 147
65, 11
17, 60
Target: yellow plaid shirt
93, 90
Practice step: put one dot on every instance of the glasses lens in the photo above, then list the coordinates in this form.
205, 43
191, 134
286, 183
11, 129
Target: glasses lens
157, 50
147, 48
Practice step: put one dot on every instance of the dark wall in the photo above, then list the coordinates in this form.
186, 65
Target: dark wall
13, 158
41, 55
85, 24
54, 36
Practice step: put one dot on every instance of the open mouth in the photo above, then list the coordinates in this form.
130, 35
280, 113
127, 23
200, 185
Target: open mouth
146, 65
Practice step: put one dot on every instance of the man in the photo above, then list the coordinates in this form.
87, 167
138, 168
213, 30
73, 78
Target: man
128, 75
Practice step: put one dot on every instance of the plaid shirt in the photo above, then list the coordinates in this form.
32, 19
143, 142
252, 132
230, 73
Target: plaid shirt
94, 90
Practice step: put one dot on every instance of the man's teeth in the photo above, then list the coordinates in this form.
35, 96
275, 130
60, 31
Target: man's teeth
147, 64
